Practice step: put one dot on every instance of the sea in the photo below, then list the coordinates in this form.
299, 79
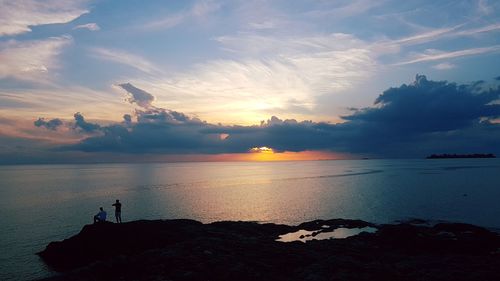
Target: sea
44, 203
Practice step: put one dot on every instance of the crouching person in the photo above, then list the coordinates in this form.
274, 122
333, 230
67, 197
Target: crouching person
101, 216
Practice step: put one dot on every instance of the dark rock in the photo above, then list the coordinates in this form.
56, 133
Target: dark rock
102, 240
334, 223
190, 250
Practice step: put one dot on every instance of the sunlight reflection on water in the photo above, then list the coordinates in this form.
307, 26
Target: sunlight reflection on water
43, 203
338, 233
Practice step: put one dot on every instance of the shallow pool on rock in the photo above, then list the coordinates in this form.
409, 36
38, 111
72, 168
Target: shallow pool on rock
339, 233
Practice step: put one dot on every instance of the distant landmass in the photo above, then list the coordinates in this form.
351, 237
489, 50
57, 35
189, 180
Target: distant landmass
447, 156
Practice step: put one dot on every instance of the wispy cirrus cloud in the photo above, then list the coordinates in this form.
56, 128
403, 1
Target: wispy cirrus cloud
478, 30
335, 10
125, 58
31, 60
437, 34
426, 36
35, 133
447, 33
444, 66
403, 46
273, 73
90, 26
433, 54
17, 17
270, 69
483, 7
198, 10
61, 101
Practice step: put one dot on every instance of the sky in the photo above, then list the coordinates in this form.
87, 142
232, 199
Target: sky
120, 81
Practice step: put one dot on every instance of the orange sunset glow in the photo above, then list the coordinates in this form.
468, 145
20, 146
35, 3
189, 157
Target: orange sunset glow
268, 154
262, 149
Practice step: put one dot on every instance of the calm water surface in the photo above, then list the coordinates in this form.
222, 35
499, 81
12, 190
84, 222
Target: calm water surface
42, 203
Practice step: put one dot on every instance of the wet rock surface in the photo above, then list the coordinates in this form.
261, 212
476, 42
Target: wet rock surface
190, 250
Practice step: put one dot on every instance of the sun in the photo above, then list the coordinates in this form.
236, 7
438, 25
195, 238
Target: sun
262, 153
262, 149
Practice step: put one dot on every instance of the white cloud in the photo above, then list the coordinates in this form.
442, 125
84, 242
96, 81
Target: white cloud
199, 10
16, 17
90, 26
475, 31
426, 36
256, 45
440, 34
125, 58
267, 75
432, 54
204, 7
396, 46
484, 8
62, 102
31, 60
165, 23
444, 66
384, 47
265, 24
352, 8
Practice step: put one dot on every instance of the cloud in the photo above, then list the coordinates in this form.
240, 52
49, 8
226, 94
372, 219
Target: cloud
396, 46
266, 71
411, 120
138, 96
430, 106
31, 60
432, 54
483, 8
90, 26
53, 100
352, 8
475, 31
445, 33
270, 72
161, 115
165, 23
199, 10
52, 124
81, 124
271, 56
125, 58
444, 66
49, 132
17, 17
426, 36
427, 116
127, 119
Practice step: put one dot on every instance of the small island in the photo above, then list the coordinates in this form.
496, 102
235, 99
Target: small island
236, 250
455, 156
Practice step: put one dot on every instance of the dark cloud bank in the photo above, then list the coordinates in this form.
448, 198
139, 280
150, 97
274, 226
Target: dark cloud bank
52, 124
408, 121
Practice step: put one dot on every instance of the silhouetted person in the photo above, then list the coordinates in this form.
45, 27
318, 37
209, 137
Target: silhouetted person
101, 216
118, 211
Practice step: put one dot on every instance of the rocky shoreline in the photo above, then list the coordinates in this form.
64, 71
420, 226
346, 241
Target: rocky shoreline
190, 250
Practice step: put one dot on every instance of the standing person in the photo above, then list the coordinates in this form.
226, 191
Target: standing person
101, 216
118, 211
